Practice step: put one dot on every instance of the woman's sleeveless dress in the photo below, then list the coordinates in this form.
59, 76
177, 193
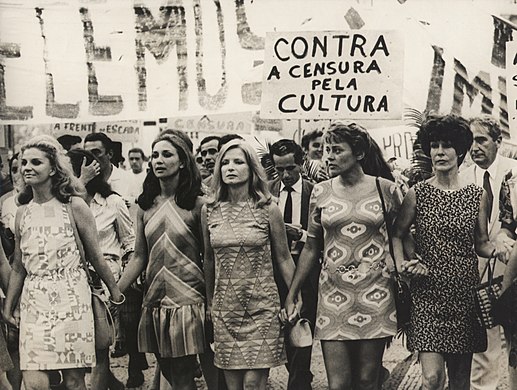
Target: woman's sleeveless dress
173, 309
56, 318
355, 300
245, 308
443, 317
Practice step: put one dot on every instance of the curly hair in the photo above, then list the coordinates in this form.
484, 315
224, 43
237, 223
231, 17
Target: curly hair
257, 183
189, 184
362, 144
63, 183
96, 185
449, 128
488, 123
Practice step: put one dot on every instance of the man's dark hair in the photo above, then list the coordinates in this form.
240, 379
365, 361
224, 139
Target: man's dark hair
106, 141
307, 138
284, 147
137, 150
68, 140
227, 138
209, 138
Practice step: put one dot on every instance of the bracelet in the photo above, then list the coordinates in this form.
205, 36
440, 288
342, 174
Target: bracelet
119, 303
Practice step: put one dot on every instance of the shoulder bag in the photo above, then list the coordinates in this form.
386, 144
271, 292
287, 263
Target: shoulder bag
104, 325
487, 293
401, 291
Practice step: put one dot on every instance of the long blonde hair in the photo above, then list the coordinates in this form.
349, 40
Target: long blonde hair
64, 183
257, 184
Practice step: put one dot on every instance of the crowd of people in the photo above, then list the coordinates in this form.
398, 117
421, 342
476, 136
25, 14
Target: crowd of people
210, 257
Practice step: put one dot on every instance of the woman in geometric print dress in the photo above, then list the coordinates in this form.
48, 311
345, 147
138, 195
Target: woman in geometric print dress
356, 311
243, 234
56, 319
450, 219
168, 246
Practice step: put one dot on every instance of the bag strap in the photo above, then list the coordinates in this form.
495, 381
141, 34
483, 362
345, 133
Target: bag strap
78, 240
491, 269
388, 226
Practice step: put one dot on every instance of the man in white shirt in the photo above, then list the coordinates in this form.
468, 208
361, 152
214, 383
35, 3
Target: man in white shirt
293, 193
488, 171
137, 175
102, 147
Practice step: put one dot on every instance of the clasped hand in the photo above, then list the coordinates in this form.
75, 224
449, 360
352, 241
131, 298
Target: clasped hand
414, 267
291, 311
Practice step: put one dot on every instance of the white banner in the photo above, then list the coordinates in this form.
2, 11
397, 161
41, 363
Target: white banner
333, 74
511, 86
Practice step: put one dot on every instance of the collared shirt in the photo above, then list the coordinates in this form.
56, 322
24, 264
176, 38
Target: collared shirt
114, 225
479, 174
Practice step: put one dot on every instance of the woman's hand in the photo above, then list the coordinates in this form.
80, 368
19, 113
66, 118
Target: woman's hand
290, 313
414, 267
12, 319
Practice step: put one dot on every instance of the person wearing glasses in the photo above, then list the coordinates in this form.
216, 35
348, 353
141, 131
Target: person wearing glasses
293, 194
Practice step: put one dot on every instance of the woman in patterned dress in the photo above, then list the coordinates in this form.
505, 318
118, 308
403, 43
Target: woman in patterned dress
168, 246
450, 219
243, 234
56, 319
356, 311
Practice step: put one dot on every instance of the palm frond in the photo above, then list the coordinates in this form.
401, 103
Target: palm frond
421, 167
263, 152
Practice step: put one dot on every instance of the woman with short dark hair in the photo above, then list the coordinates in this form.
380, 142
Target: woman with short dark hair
450, 219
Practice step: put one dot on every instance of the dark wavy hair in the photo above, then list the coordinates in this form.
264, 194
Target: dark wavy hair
286, 146
189, 184
64, 183
95, 185
449, 128
362, 144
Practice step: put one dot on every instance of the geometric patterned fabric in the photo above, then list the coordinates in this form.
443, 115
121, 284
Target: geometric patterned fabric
355, 299
245, 308
56, 319
173, 308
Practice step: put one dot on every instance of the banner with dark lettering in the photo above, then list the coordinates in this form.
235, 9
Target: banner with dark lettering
511, 85
86, 61
333, 74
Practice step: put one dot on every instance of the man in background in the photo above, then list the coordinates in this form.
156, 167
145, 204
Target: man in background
488, 171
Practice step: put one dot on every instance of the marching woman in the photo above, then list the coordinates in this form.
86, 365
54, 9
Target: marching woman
243, 234
450, 219
356, 311
56, 318
168, 246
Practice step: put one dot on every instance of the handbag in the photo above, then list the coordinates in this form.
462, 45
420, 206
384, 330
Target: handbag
485, 294
300, 334
504, 308
104, 324
7, 237
401, 292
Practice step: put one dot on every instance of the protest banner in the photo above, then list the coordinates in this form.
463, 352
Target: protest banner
333, 74
121, 131
511, 86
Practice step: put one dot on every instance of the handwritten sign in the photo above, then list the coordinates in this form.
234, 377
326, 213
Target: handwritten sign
511, 86
333, 74
121, 131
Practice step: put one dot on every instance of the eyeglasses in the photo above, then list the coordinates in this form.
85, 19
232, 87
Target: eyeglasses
211, 151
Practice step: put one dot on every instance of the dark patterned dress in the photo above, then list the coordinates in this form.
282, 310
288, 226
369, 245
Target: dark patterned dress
443, 317
173, 309
247, 333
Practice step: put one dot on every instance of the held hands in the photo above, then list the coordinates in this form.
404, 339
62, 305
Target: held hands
414, 267
294, 232
12, 319
503, 247
291, 311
